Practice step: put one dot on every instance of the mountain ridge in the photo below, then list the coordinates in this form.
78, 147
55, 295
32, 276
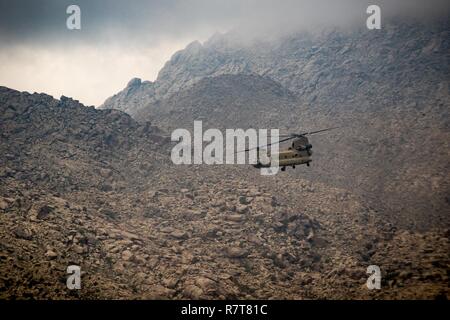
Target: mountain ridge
303, 62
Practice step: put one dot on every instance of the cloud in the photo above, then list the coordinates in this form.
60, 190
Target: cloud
143, 21
87, 73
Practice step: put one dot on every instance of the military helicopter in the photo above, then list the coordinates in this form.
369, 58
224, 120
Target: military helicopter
299, 152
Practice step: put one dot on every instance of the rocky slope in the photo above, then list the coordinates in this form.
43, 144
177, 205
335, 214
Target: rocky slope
63, 144
96, 189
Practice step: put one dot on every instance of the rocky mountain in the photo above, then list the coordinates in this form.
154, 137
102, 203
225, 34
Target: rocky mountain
225, 101
95, 188
387, 89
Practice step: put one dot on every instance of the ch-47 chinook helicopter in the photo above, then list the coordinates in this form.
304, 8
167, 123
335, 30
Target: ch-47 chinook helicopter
299, 152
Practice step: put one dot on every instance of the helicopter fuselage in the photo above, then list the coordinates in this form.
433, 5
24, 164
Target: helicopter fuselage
298, 153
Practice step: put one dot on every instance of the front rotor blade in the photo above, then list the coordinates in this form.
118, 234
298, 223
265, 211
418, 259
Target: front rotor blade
282, 140
286, 135
298, 135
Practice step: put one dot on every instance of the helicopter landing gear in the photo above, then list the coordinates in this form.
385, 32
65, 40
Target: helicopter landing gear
283, 168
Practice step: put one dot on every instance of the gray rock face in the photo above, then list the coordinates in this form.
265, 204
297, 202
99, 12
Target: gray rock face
131, 99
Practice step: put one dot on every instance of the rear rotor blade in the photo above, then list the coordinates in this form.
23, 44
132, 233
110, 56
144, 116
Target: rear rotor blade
323, 130
298, 135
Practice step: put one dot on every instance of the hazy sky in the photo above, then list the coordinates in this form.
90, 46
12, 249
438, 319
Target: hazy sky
122, 39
